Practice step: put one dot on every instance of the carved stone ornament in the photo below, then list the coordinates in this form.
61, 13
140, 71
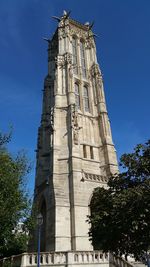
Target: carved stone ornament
62, 60
95, 71
52, 117
71, 69
68, 58
63, 29
81, 34
50, 122
63, 23
94, 177
75, 125
89, 43
62, 33
59, 60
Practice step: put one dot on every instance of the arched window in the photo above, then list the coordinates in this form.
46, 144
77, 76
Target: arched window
77, 96
86, 99
83, 61
43, 226
74, 54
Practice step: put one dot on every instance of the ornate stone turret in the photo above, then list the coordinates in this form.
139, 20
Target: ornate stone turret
75, 152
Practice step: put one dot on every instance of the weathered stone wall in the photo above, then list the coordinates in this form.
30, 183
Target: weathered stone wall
75, 152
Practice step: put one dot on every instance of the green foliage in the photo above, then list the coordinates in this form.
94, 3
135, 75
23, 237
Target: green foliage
120, 215
15, 206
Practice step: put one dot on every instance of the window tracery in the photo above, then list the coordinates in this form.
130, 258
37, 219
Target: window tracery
82, 57
77, 96
74, 54
86, 99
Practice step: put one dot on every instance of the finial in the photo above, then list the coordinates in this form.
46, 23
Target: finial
64, 17
87, 23
64, 13
89, 27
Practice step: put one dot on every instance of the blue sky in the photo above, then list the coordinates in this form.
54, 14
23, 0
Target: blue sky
123, 49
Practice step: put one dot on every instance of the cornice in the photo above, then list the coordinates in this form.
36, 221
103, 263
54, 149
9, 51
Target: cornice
78, 24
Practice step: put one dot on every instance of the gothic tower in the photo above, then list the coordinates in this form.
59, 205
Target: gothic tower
75, 152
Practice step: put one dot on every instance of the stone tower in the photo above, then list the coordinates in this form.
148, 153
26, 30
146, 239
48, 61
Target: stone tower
75, 152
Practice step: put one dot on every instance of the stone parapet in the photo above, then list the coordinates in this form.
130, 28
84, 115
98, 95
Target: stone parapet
64, 259
115, 261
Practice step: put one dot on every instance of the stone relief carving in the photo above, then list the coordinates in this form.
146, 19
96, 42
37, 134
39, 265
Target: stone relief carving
59, 60
94, 177
82, 34
89, 41
62, 60
96, 78
71, 69
95, 71
64, 30
78, 32
51, 125
75, 125
68, 58
52, 118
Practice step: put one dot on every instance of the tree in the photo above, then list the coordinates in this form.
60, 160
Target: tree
120, 215
15, 204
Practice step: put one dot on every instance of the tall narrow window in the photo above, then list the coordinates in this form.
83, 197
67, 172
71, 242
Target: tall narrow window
77, 96
84, 151
91, 152
74, 54
83, 61
94, 90
86, 99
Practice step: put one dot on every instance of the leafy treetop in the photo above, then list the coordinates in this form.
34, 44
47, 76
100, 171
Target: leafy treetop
120, 215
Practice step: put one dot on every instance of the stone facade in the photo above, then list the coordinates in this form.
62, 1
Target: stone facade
75, 152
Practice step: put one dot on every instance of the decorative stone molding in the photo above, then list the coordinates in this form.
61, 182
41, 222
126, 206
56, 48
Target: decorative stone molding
48, 119
68, 58
63, 259
47, 126
75, 125
64, 30
94, 177
82, 34
62, 60
95, 71
59, 60
90, 41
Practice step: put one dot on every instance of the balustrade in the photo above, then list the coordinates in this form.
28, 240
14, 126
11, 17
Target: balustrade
58, 258
119, 262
